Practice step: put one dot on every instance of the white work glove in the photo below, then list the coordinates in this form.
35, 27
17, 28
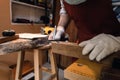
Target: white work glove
56, 35
100, 46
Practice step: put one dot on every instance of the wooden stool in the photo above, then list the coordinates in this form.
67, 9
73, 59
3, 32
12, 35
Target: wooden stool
37, 63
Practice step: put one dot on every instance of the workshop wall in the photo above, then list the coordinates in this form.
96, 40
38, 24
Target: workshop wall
5, 22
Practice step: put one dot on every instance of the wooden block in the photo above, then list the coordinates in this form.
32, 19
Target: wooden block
67, 49
83, 70
8, 38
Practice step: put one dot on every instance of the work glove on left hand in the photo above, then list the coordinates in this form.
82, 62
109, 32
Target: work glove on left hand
100, 46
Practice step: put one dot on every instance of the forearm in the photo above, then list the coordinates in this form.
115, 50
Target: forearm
64, 20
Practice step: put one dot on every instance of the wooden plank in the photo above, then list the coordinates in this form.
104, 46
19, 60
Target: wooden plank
74, 50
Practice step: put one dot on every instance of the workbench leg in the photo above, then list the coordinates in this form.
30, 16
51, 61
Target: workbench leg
53, 65
20, 61
38, 64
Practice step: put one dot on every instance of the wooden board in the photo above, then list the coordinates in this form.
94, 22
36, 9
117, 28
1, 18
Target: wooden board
8, 38
74, 50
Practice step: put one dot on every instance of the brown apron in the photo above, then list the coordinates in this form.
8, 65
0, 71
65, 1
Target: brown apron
92, 18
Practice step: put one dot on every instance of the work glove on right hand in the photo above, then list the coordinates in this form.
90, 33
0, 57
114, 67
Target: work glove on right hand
100, 46
56, 35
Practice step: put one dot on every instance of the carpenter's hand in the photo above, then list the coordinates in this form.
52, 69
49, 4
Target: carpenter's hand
56, 35
100, 46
